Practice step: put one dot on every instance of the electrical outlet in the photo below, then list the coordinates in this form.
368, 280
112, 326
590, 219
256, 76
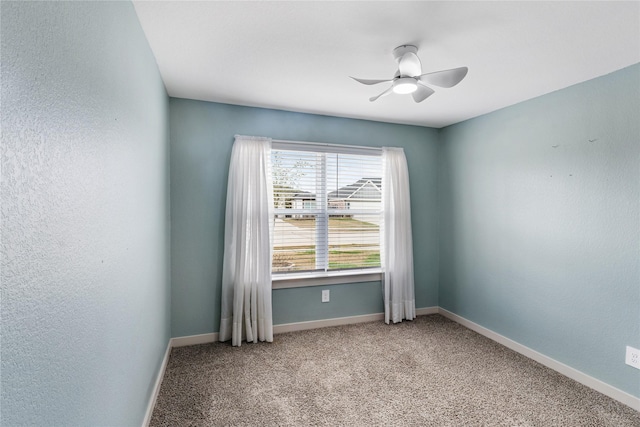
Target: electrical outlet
325, 295
633, 357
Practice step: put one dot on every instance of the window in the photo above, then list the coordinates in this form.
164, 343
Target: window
328, 208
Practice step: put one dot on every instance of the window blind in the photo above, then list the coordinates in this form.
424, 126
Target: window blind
327, 207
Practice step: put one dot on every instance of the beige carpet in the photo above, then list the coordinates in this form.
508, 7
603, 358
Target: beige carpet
429, 372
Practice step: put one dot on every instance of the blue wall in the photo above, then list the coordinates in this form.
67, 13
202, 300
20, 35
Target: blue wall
540, 224
201, 139
85, 226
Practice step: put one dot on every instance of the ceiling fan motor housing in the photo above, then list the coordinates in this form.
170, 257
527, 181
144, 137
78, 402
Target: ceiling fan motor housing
399, 52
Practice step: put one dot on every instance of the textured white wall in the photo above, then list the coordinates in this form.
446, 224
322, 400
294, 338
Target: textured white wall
85, 242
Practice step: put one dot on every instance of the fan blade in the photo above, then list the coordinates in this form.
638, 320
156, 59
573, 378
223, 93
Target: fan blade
446, 78
370, 82
386, 92
422, 93
409, 65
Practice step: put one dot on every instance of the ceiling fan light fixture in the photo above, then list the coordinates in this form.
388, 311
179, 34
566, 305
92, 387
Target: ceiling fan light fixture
405, 85
409, 78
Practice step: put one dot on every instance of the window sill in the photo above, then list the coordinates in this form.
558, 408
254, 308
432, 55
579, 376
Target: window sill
299, 280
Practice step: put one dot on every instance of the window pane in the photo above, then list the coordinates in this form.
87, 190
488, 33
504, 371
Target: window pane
295, 176
354, 182
354, 241
327, 210
294, 243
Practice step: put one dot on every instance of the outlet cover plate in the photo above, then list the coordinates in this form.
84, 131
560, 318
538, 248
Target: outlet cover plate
325, 295
633, 357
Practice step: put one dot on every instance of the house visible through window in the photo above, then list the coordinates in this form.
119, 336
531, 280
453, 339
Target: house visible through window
328, 210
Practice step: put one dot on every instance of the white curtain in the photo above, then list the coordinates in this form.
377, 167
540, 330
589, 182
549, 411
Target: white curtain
397, 245
246, 276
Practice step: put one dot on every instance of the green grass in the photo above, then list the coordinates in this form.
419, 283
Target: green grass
305, 259
373, 259
339, 266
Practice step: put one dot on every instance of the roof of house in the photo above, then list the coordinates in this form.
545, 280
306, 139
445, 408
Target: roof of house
364, 188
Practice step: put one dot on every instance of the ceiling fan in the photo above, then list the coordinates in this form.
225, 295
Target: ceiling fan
409, 77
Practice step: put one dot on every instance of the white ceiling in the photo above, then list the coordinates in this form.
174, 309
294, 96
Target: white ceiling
298, 56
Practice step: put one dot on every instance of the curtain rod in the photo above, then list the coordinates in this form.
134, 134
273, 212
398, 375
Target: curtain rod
326, 144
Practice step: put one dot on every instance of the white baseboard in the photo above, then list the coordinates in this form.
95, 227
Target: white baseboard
285, 327
338, 321
194, 339
324, 323
298, 326
593, 383
425, 311
156, 386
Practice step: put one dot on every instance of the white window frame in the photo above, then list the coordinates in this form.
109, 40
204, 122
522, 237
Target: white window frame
330, 277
